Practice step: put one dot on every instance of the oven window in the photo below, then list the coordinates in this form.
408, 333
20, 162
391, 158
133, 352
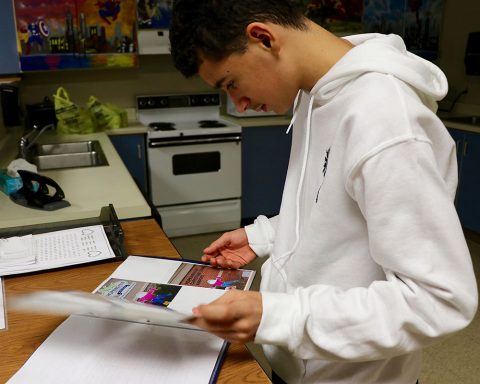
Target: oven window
196, 163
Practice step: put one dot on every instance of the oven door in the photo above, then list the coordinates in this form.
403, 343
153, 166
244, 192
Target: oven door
195, 169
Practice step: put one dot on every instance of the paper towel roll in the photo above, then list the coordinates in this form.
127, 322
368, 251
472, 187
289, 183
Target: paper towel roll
20, 164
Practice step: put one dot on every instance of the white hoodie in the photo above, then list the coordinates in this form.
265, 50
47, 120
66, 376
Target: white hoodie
368, 263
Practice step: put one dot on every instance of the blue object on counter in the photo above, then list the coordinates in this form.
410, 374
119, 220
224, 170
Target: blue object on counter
9, 184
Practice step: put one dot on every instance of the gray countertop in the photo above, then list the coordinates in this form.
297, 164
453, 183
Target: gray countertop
87, 189
461, 126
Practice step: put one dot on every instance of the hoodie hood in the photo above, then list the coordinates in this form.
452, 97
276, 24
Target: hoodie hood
383, 54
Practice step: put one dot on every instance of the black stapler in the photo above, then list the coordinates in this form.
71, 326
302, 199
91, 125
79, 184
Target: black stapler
36, 194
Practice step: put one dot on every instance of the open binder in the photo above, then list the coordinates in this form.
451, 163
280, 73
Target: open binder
127, 345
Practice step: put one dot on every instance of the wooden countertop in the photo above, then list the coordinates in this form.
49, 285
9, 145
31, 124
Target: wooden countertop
24, 335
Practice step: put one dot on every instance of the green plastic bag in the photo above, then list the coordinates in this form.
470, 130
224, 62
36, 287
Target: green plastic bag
71, 117
107, 116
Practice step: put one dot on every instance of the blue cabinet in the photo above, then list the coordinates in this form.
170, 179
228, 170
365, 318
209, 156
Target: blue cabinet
9, 62
131, 149
265, 155
458, 136
468, 191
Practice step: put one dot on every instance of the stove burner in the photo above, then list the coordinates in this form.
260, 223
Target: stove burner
211, 124
162, 126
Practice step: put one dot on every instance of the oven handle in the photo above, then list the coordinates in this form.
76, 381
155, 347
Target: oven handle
181, 142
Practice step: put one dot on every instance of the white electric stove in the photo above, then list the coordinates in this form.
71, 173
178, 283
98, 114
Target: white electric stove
194, 160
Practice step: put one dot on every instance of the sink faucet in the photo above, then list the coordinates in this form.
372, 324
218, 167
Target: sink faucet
26, 141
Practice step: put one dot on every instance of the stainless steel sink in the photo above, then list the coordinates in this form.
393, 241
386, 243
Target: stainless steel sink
472, 120
68, 155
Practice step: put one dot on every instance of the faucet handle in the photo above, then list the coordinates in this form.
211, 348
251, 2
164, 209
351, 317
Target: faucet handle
25, 143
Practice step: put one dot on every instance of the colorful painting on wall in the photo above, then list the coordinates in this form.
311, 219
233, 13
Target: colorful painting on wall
69, 34
417, 21
338, 16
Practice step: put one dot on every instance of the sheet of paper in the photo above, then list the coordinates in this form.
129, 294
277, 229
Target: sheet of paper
146, 269
61, 248
2, 306
95, 305
89, 350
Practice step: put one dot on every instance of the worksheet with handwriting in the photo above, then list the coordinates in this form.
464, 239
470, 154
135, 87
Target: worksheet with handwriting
78, 243
54, 249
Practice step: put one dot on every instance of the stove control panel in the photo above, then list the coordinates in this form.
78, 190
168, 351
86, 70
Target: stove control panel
178, 101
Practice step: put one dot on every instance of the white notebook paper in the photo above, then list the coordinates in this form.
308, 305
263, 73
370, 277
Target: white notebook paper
98, 351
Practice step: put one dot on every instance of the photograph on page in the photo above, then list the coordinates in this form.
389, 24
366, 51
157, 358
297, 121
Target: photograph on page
198, 275
177, 298
139, 292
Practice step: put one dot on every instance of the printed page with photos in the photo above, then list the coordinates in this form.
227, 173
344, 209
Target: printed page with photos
173, 284
167, 298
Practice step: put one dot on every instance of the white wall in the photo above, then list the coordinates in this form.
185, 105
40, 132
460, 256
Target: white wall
155, 74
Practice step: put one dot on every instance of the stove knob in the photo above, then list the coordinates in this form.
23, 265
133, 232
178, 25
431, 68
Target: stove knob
151, 102
206, 100
142, 103
193, 101
163, 102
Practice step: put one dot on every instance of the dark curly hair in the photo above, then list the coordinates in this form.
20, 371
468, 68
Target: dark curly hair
217, 27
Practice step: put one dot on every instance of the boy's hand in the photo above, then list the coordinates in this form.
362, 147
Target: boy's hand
231, 250
234, 317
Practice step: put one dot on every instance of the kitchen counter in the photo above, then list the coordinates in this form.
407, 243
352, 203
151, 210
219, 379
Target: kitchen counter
461, 126
262, 121
87, 189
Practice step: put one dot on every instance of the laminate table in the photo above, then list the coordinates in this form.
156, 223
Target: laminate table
25, 333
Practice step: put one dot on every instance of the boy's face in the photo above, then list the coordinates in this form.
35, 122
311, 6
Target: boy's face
256, 79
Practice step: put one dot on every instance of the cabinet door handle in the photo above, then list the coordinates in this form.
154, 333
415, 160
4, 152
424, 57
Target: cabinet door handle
457, 145
465, 147
139, 151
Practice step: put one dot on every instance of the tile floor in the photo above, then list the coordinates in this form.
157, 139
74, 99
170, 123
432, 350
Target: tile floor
455, 360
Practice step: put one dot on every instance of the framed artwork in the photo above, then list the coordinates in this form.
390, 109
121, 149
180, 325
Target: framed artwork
154, 14
68, 34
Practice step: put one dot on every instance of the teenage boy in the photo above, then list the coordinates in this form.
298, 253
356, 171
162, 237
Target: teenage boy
367, 260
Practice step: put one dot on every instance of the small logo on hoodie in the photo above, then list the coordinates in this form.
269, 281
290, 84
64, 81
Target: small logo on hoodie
324, 171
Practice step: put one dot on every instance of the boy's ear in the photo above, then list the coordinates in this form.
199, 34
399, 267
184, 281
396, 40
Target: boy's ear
259, 32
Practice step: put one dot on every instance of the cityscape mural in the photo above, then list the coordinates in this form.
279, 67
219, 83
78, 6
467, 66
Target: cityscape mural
66, 34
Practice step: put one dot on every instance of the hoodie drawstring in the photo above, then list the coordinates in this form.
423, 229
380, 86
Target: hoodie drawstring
300, 184
295, 107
